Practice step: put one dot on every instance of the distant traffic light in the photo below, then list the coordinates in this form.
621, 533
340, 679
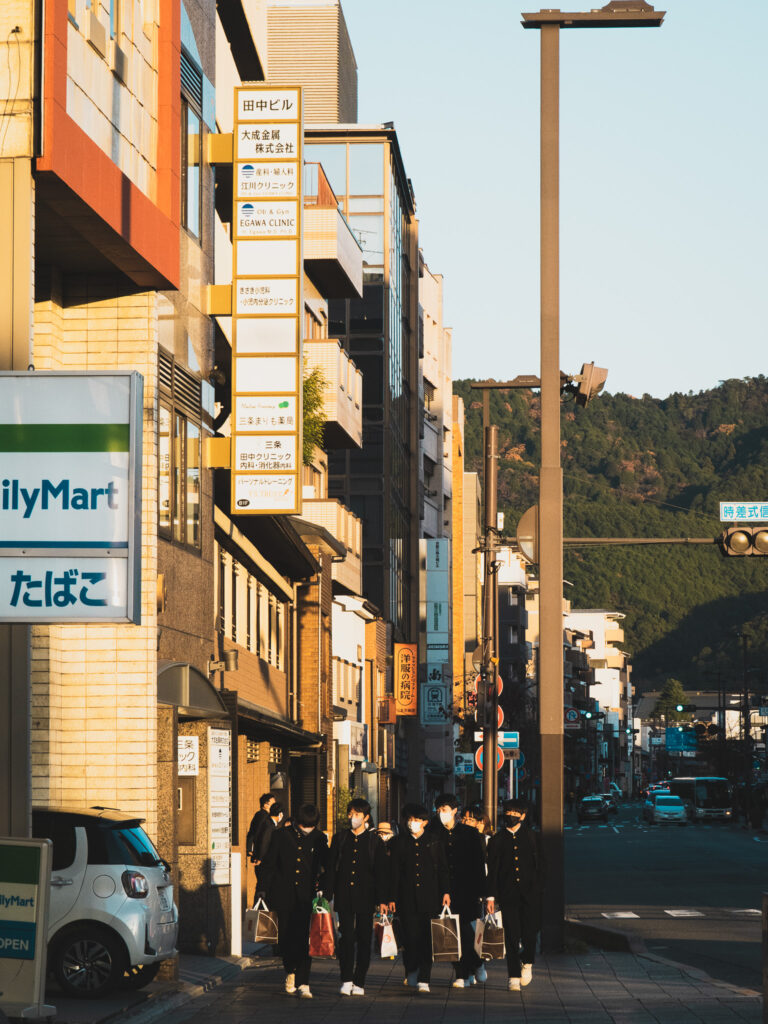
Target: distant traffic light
594, 714
590, 381
744, 540
686, 707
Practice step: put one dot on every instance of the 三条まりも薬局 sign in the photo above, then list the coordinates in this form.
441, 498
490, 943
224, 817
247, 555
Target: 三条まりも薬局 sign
70, 516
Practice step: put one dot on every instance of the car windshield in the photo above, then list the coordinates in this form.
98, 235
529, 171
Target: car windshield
713, 794
669, 801
121, 846
592, 800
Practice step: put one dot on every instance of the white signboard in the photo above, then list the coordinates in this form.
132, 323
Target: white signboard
188, 755
25, 875
744, 511
267, 285
220, 804
70, 497
464, 764
434, 704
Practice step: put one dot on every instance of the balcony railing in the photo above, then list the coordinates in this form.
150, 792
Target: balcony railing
342, 403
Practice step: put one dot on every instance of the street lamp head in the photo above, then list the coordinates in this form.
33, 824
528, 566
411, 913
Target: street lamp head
616, 14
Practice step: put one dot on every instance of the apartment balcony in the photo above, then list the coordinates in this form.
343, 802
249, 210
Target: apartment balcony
343, 401
333, 259
614, 635
347, 529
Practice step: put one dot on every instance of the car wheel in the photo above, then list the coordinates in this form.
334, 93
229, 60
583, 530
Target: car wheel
139, 975
88, 962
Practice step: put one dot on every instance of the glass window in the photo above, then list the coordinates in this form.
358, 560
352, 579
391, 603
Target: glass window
179, 455
190, 170
121, 846
193, 484
334, 161
164, 470
366, 169
61, 834
368, 229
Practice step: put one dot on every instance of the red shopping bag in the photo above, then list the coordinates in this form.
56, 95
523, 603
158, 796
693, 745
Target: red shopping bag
321, 938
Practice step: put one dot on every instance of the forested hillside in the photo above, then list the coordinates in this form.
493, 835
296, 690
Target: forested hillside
647, 467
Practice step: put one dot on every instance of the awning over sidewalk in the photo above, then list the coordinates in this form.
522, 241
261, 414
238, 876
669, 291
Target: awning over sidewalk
292, 735
186, 688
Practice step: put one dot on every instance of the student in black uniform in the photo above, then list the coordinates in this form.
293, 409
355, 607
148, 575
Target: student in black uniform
419, 885
465, 854
516, 881
290, 876
357, 880
259, 827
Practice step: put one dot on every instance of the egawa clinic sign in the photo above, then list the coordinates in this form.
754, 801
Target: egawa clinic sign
70, 505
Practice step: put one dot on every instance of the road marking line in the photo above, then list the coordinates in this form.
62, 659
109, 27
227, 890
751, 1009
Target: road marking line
621, 913
684, 913
615, 830
747, 910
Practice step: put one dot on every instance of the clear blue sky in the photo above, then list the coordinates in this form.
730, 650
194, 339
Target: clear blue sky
664, 183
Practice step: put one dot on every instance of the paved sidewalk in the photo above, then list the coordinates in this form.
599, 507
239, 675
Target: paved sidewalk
586, 988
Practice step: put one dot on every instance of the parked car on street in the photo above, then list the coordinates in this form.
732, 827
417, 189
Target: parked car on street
112, 919
662, 808
592, 808
611, 803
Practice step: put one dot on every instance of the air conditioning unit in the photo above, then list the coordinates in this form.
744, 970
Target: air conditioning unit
387, 711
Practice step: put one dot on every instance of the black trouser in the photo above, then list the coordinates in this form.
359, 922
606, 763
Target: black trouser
469, 961
417, 944
293, 934
355, 929
521, 925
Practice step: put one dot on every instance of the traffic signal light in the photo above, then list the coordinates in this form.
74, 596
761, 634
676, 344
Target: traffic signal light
594, 714
744, 540
591, 382
686, 707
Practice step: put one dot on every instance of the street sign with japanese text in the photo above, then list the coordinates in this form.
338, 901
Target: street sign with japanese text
434, 704
744, 511
464, 764
267, 306
406, 679
70, 497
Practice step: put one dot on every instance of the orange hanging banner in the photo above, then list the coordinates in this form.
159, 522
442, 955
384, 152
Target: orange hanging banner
406, 679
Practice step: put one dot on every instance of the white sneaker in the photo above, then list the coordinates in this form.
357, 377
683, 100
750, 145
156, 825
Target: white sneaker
526, 974
513, 984
459, 983
357, 990
481, 974
423, 986
346, 988
304, 992
290, 984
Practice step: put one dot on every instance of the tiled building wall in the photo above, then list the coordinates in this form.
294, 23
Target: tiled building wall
112, 95
94, 687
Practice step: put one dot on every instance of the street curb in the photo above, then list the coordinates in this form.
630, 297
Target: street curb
164, 1002
614, 941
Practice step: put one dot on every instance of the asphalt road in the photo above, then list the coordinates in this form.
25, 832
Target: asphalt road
691, 893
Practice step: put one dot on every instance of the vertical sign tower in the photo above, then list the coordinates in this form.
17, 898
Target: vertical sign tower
267, 304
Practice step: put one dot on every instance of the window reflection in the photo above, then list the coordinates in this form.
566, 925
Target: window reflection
334, 161
366, 169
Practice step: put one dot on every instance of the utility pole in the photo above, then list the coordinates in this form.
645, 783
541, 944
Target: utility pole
747, 734
490, 667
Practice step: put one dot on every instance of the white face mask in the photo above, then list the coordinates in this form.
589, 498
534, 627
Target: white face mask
447, 817
415, 827
356, 820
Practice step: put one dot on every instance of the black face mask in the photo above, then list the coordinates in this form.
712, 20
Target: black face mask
511, 820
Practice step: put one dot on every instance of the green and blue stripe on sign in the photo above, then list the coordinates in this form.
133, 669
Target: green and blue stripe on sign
19, 875
64, 437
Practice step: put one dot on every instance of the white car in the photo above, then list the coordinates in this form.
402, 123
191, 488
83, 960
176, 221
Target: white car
663, 808
112, 919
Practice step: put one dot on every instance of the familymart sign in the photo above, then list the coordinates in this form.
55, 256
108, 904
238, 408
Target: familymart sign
70, 512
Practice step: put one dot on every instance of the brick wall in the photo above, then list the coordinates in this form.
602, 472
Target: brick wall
94, 687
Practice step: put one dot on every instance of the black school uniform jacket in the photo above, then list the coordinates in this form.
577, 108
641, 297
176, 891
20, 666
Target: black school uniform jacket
357, 872
515, 866
465, 853
419, 874
294, 867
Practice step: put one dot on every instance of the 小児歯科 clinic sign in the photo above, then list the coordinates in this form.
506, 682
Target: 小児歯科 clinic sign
70, 510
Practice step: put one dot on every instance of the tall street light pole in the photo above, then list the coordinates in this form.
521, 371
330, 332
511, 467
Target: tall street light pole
618, 13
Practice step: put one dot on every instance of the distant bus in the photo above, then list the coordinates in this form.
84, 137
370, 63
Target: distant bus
706, 797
